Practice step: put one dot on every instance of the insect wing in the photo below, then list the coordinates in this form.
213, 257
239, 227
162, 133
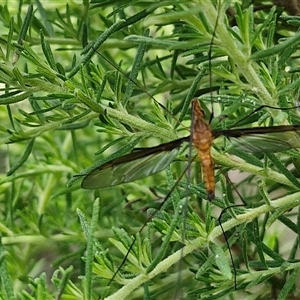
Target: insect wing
273, 142
111, 174
264, 139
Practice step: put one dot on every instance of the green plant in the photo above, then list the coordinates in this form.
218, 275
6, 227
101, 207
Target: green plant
65, 97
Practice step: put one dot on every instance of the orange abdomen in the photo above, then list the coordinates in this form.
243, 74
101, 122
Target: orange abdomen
202, 140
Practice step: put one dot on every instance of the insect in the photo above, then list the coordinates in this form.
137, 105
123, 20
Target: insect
148, 161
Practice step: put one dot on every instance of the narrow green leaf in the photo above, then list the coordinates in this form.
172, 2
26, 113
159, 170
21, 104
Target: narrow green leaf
23, 159
287, 222
14, 97
253, 231
45, 18
259, 279
9, 42
90, 50
62, 285
48, 52
7, 283
134, 71
191, 94
84, 224
289, 284
245, 247
221, 261
25, 24
261, 27
283, 169
91, 251
167, 237
19, 77
291, 41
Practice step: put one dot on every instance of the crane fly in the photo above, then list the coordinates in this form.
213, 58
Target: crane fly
148, 161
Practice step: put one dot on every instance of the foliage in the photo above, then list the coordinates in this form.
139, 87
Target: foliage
66, 94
